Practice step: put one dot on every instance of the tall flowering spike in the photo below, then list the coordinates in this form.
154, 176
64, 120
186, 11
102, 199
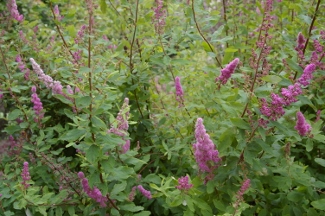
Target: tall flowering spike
227, 71
307, 75
57, 13
206, 156
244, 187
25, 175
179, 89
12, 8
95, 193
300, 41
302, 126
38, 106
122, 120
47, 80
183, 184
80, 34
159, 16
144, 192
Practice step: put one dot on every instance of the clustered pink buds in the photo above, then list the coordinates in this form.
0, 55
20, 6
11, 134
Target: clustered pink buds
302, 126
12, 8
289, 94
77, 56
38, 106
207, 157
57, 13
227, 71
132, 193
25, 175
179, 90
47, 80
144, 192
80, 34
126, 146
183, 183
307, 75
244, 187
159, 16
95, 193
300, 47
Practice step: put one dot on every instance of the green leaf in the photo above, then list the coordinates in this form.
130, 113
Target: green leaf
240, 123
59, 198
320, 161
13, 115
131, 207
272, 79
73, 135
143, 213
93, 153
63, 99
295, 196
12, 129
97, 122
309, 145
118, 188
82, 102
103, 6
319, 204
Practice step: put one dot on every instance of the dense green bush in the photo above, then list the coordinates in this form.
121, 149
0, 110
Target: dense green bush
162, 107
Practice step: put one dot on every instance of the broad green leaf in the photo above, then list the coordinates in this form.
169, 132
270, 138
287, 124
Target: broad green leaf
240, 123
320, 161
131, 207
82, 102
93, 153
73, 135
319, 204
118, 188
13, 115
272, 79
103, 6
59, 198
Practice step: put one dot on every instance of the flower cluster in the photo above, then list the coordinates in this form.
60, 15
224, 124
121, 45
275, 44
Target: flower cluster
95, 193
47, 80
122, 125
144, 192
274, 110
244, 187
207, 157
183, 183
25, 175
80, 34
179, 90
38, 106
12, 8
302, 126
57, 13
22, 67
159, 17
227, 71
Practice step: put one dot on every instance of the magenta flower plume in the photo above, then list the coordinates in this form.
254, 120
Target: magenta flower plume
302, 126
300, 41
289, 94
179, 89
25, 175
183, 183
126, 147
95, 193
274, 110
12, 8
307, 75
227, 71
206, 156
144, 192
57, 13
38, 106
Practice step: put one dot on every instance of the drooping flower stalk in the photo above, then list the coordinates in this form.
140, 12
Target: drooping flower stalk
227, 71
144, 192
94, 193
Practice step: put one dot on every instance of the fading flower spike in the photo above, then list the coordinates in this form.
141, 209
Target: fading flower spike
227, 71
122, 120
179, 89
25, 175
302, 126
57, 13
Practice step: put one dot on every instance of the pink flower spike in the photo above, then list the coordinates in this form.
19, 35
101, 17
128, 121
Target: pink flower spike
302, 126
25, 175
183, 183
307, 75
12, 8
300, 41
227, 71
144, 192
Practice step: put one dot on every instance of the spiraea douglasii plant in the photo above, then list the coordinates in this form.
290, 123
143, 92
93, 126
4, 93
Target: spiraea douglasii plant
156, 107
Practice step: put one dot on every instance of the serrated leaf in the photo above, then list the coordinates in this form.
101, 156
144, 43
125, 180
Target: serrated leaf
93, 153
60, 197
82, 102
240, 123
13, 115
118, 188
97, 122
